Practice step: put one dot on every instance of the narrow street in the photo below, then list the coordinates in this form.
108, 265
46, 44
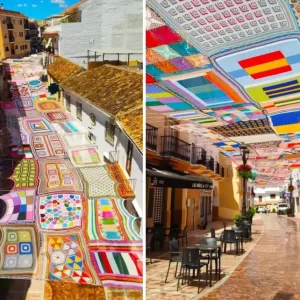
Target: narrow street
271, 270
60, 200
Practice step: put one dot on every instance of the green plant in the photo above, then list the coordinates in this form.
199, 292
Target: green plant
238, 220
288, 211
251, 211
273, 210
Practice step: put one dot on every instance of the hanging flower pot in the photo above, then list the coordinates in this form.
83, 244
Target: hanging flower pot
244, 171
290, 188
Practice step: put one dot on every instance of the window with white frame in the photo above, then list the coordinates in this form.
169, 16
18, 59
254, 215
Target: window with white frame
109, 132
79, 111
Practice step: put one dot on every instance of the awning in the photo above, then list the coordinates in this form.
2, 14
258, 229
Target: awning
168, 177
48, 43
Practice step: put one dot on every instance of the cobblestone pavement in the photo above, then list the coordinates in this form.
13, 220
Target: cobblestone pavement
156, 272
271, 270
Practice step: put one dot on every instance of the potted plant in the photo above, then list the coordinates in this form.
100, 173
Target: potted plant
288, 212
290, 188
238, 219
245, 171
250, 213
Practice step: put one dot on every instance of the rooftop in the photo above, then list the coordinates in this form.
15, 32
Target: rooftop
12, 13
73, 7
116, 91
132, 124
62, 69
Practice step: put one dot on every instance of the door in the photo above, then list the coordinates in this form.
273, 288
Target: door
129, 157
191, 213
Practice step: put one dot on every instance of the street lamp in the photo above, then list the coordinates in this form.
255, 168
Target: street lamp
245, 156
291, 196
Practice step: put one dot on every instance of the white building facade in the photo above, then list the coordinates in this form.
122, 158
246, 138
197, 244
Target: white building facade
268, 197
118, 148
104, 26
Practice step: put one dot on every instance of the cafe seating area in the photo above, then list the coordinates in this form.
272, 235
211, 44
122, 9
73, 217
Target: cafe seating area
196, 262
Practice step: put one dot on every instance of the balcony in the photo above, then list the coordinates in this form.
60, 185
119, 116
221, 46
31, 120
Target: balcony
10, 26
27, 37
26, 25
198, 156
151, 137
210, 163
174, 147
11, 39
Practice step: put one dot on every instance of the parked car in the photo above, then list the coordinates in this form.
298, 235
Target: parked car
281, 208
262, 210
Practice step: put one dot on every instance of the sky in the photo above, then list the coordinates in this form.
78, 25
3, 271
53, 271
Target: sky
38, 9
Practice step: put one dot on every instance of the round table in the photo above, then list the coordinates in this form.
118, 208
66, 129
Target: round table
210, 249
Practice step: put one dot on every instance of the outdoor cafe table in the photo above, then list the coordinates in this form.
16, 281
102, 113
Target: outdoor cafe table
210, 249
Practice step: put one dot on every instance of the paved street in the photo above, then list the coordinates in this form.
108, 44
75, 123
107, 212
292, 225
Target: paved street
270, 270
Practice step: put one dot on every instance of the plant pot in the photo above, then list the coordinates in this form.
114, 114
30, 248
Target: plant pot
291, 215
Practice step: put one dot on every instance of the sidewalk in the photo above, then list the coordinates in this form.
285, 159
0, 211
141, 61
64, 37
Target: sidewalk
156, 288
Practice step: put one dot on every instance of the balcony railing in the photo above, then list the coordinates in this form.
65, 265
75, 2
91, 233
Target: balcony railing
114, 157
210, 163
151, 137
174, 147
11, 39
26, 25
10, 26
198, 156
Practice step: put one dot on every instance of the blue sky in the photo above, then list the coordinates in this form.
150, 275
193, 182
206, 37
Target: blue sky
37, 9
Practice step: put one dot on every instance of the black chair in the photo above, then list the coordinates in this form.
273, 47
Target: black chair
158, 237
183, 236
229, 237
149, 237
213, 232
191, 261
174, 255
216, 255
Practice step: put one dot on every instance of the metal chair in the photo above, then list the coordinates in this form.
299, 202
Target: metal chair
215, 256
229, 237
174, 255
183, 236
190, 261
158, 236
149, 237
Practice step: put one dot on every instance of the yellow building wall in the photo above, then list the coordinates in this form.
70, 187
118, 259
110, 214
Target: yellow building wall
19, 40
229, 191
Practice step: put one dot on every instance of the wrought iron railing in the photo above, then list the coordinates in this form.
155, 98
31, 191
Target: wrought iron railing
198, 156
151, 137
210, 163
174, 147
10, 26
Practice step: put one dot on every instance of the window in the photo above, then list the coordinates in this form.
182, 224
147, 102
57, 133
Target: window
260, 198
129, 157
17, 47
25, 46
273, 196
93, 119
79, 111
6, 49
20, 34
4, 21
92, 137
21, 22
109, 132
68, 103
14, 21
